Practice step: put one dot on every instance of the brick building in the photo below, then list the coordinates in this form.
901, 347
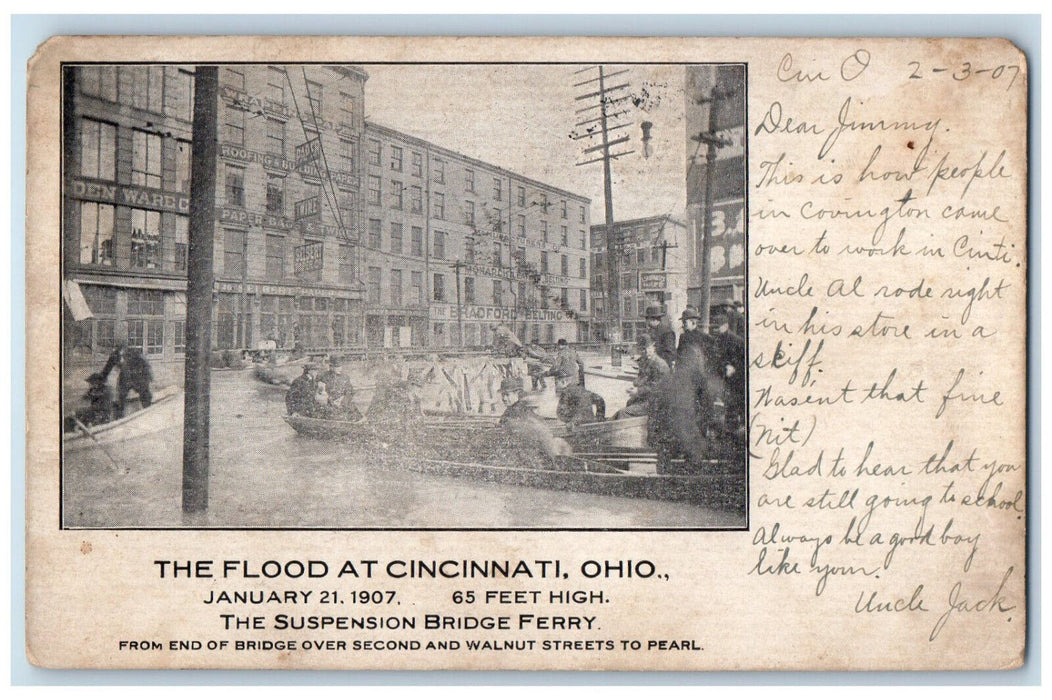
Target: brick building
330, 232
655, 254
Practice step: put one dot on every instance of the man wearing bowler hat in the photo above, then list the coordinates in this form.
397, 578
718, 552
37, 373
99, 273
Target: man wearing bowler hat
660, 329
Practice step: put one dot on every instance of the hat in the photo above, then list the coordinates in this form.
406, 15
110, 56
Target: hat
509, 384
562, 341
654, 311
689, 312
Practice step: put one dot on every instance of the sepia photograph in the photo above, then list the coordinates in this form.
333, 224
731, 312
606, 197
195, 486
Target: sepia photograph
404, 296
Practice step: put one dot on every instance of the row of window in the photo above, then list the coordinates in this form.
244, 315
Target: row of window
282, 86
276, 251
643, 257
374, 155
146, 245
99, 159
165, 90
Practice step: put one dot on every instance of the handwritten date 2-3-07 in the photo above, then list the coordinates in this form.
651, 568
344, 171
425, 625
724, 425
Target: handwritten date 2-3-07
965, 70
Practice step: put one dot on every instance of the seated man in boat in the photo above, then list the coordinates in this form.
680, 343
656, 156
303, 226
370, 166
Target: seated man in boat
300, 396
340, 393
578, 406
653, 377
567, 366
530, 435
100, 405
135, 375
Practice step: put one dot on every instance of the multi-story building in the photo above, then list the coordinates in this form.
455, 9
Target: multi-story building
330, 232
725, 207
454, 246
654, 267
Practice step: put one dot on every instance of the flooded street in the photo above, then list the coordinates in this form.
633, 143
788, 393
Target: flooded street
264, 475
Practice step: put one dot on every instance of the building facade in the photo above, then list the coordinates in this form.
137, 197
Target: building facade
654, 267
725, 206
330, 232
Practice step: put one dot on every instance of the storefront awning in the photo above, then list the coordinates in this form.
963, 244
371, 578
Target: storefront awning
75, 301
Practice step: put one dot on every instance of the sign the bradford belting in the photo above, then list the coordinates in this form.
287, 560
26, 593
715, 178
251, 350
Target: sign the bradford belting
474, 312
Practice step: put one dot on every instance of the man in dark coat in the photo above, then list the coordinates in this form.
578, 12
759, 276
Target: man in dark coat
300, 396
691, 334
578, 406
660, 329
530, 436
135, 375
340, 392
730, 353
653, 377
100, 402
567, 366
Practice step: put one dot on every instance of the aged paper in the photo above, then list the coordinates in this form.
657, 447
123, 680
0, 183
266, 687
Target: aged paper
855, 497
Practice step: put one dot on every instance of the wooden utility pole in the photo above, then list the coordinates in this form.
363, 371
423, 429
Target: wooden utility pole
613, 259
713, 143
199, 290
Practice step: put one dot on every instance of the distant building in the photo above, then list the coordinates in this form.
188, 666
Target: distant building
330, 233
655, 257
726, 210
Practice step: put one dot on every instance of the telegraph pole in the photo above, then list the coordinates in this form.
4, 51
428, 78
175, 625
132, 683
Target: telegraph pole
199, 290
613, 258
713, 143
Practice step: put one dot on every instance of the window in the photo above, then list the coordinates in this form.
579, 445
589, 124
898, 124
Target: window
182, 166
497, 257
584, 300
345, 214
146, 239
628, 281
469, 250
396, 159
416, 204
439, 287
346, 259
235, 78
563, 203
235, 186
98, 149
234, 127
564, 236
544, 262
146, 159
233, 253
438, 206
544, 231
641, 256
417, 242
440, 245
416, 288
147, 336
520, 255
564, 266
276, 85
178, 337
99, 81
276, 137
498, 189
147, 87
96, 233
396, 194
417, 161
498, 221
275, 258
498, 293
375, 151
521, 195
275, 195
396, 238
373, 286
469, 180
544, 297
583, 273
655, 254
438, 172
396, 287
469, 213
581, 218
181, 246
582, 241
145, 302
346, 109
564, 298
374, 234
346, 156
314, 98
521, 223
374, 189
628, 306
469, 290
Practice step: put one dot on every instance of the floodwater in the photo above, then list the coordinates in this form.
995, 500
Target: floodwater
264, 475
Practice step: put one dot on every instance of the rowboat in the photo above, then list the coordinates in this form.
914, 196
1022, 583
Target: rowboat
326, 428
165, 411
715, 486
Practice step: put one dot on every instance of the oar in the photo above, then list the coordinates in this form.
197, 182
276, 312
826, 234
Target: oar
84, 429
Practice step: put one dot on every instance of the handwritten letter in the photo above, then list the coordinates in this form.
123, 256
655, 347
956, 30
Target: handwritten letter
887, 269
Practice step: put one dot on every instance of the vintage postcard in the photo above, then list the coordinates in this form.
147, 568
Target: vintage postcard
560, 353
